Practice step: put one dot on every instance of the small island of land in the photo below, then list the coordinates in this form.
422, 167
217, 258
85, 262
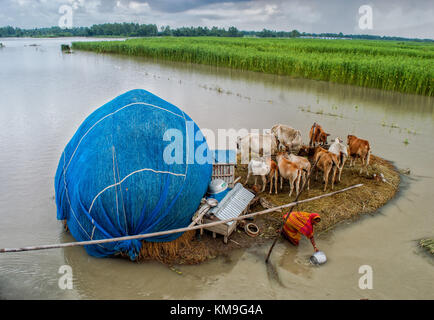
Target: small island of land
346, 206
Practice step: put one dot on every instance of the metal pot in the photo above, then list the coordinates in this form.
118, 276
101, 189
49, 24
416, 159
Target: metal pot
216, 186
318, 258
218, 189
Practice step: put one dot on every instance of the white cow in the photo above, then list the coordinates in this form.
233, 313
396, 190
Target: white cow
257, 144
260, 167
288, 137
339, 149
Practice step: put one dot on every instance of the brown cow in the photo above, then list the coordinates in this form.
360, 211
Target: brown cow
317, 135
325, 161
288, 170
304, 165
274, 174
359, 148
306, 151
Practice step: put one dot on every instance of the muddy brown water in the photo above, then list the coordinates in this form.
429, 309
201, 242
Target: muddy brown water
45, 95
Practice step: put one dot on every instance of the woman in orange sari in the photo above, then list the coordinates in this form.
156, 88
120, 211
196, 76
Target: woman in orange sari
299, 223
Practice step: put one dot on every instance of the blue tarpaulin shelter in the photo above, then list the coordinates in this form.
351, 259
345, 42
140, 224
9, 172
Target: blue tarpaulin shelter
118, 175
225, 156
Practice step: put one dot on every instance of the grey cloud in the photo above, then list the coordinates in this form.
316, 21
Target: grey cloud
396, 18
173, 6
166, 6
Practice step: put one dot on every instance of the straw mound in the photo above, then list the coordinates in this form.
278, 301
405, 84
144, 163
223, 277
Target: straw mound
179, 251
349, 205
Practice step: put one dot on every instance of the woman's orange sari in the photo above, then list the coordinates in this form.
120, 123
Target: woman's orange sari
297, 224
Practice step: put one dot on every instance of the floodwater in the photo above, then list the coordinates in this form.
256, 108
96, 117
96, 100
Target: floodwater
45, 95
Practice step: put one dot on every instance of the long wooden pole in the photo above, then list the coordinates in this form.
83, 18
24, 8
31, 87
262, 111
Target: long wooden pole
160, 233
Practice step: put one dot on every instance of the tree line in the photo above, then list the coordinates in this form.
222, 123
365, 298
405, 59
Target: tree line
151, 30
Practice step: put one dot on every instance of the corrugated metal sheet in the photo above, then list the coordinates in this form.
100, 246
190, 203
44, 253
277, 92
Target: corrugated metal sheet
233, 204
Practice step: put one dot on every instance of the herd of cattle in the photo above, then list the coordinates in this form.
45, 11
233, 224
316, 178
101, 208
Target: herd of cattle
295, 161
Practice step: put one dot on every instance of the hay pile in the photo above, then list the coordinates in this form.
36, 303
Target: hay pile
192, 249
179, 251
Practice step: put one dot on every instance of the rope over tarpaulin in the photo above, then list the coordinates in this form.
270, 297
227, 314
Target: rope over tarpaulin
113, 180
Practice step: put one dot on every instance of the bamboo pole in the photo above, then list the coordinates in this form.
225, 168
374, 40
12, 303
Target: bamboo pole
166, 232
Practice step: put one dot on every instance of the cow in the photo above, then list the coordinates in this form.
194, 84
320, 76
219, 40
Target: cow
258, 168
273, 175
288, 170
288, 137
340, 150
257, 144
359, 148
262, 167
325, 161
317, 135
304, 165
307, 151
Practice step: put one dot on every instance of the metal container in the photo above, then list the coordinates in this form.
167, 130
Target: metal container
217, 186
318, 258
218, 189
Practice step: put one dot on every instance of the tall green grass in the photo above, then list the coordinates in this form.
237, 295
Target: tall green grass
390, 65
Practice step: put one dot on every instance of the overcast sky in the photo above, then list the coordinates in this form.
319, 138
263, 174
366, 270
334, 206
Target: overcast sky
404, 18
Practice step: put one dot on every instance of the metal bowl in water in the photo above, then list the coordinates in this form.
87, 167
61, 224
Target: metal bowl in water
318, 258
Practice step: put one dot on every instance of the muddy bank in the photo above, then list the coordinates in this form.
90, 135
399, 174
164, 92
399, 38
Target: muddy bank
192, 248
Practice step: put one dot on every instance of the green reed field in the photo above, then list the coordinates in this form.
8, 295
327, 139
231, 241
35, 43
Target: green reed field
391, 65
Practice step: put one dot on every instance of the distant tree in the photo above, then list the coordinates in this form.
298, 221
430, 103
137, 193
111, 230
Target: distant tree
266, 33
166, 31
294, 34
151, 30
233, 32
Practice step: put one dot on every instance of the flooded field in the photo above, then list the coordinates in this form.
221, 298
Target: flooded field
45, 97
